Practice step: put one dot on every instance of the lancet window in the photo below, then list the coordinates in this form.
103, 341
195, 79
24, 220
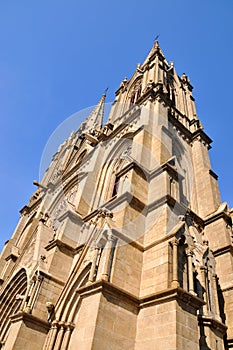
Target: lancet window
10, 302
135, 93
116, 186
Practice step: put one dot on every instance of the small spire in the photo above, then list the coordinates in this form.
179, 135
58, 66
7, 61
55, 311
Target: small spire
155, 50
156, 44
95, 118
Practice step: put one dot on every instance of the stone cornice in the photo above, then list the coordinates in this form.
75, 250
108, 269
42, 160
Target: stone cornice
142, 207
141, 247
190, 136
64, 247
227, 288
115, 201
216, 216
75, 217
203, 136
150, 174
48, 276
223, 250
128, 240
171, 171
30, 320
213, 323
180, 127
168, 294
107, 288
196, 218
79, 248
130, 166
166, 199
127, 197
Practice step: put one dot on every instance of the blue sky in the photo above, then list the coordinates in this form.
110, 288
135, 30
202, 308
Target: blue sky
58, 56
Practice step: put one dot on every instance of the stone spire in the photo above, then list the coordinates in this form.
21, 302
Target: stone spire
95, 119
155, 52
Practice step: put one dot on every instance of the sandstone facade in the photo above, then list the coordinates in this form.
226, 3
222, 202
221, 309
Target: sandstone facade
125, 244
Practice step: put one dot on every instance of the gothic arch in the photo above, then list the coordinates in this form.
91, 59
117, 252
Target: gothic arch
113, 163
185, 169
70, 306
134, 91
64, 318
75, 158
10, 301
64, 200
25, 230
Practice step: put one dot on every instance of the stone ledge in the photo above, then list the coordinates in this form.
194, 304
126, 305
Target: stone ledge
178, 294
167, 295
50, 277
105, 287
218, 214
226, 289
30, 321
223, 250
230, 343
213, 323
200, 134
64, 247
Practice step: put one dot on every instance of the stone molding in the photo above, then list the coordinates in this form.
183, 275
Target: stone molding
107, 288
223, 250
216, 216
31, 321
64, 247
213, 323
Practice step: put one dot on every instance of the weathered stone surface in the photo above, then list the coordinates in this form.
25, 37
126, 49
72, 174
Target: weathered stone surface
125, 244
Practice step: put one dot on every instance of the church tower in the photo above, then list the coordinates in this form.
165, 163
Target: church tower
125, 244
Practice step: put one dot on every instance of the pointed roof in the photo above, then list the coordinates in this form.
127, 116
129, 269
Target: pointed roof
95, 118
155, 51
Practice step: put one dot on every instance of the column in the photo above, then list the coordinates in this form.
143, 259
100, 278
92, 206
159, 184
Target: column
203, 283
107, 256
59, 336
24, 302
47, 340
33, 295
190, 271
175, 280
215, 291
28, 297
52, 337
93, 265
66, 338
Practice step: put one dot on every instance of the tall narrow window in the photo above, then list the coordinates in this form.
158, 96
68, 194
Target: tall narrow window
139, 92
135, 93
116, 186
132, 98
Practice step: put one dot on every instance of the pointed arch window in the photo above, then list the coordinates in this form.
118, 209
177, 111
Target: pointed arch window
139, 92
116, 186
132, 98
10, 302
81, 156
136, 93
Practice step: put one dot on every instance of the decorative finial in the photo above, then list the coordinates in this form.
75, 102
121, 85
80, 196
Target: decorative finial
105, 91
156, 38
